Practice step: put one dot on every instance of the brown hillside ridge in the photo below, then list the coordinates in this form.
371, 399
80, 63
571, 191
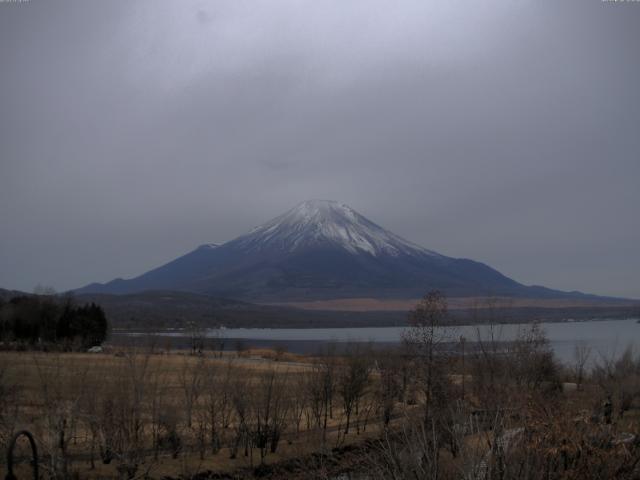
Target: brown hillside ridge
377, 304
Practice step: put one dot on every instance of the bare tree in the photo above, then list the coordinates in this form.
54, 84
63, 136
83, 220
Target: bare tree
388, 390
270, 409
240, 397
619, 378
530, 358
157, 381
424, 337
581, 355
191, 377
89, 410
320, 389
197, 337
489, 366
9, 404
61, 390
126, 413
218, 404
299, 399
352, 381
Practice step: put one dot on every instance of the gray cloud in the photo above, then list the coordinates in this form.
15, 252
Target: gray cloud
130, 132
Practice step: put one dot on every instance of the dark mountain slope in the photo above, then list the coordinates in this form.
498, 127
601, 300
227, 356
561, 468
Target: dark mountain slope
322, 250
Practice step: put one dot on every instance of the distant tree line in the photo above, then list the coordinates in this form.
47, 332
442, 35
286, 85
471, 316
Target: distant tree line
37, 320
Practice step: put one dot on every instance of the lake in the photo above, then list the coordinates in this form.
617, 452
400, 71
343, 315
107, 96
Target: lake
605, 337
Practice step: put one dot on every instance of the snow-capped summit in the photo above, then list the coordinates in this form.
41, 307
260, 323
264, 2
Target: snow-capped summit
319, 223
321, 249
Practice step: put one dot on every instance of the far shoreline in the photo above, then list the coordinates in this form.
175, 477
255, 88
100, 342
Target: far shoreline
377, 324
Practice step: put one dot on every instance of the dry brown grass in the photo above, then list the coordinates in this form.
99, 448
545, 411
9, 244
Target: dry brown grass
40, 380
481, 303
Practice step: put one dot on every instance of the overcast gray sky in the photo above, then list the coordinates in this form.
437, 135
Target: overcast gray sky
503, 131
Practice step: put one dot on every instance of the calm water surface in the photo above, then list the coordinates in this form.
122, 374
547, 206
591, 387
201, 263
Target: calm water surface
605, 337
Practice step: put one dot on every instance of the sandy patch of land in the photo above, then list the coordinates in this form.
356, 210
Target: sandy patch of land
376, 304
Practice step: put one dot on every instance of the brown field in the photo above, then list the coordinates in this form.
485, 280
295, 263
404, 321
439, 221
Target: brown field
56, 395
377, 304
402, 414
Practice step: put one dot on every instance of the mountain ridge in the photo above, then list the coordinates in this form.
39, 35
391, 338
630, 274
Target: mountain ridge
322, 249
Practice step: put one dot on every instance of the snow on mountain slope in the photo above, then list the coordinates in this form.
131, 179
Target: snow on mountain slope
316, 223
320, 250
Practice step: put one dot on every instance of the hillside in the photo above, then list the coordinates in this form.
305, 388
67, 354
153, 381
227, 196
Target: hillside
323, 250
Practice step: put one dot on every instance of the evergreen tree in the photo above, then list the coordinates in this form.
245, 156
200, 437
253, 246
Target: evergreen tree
45, 320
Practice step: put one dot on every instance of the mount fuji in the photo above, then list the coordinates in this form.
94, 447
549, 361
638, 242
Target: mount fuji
322, 250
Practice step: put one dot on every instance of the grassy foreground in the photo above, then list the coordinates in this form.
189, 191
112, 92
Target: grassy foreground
498, 411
